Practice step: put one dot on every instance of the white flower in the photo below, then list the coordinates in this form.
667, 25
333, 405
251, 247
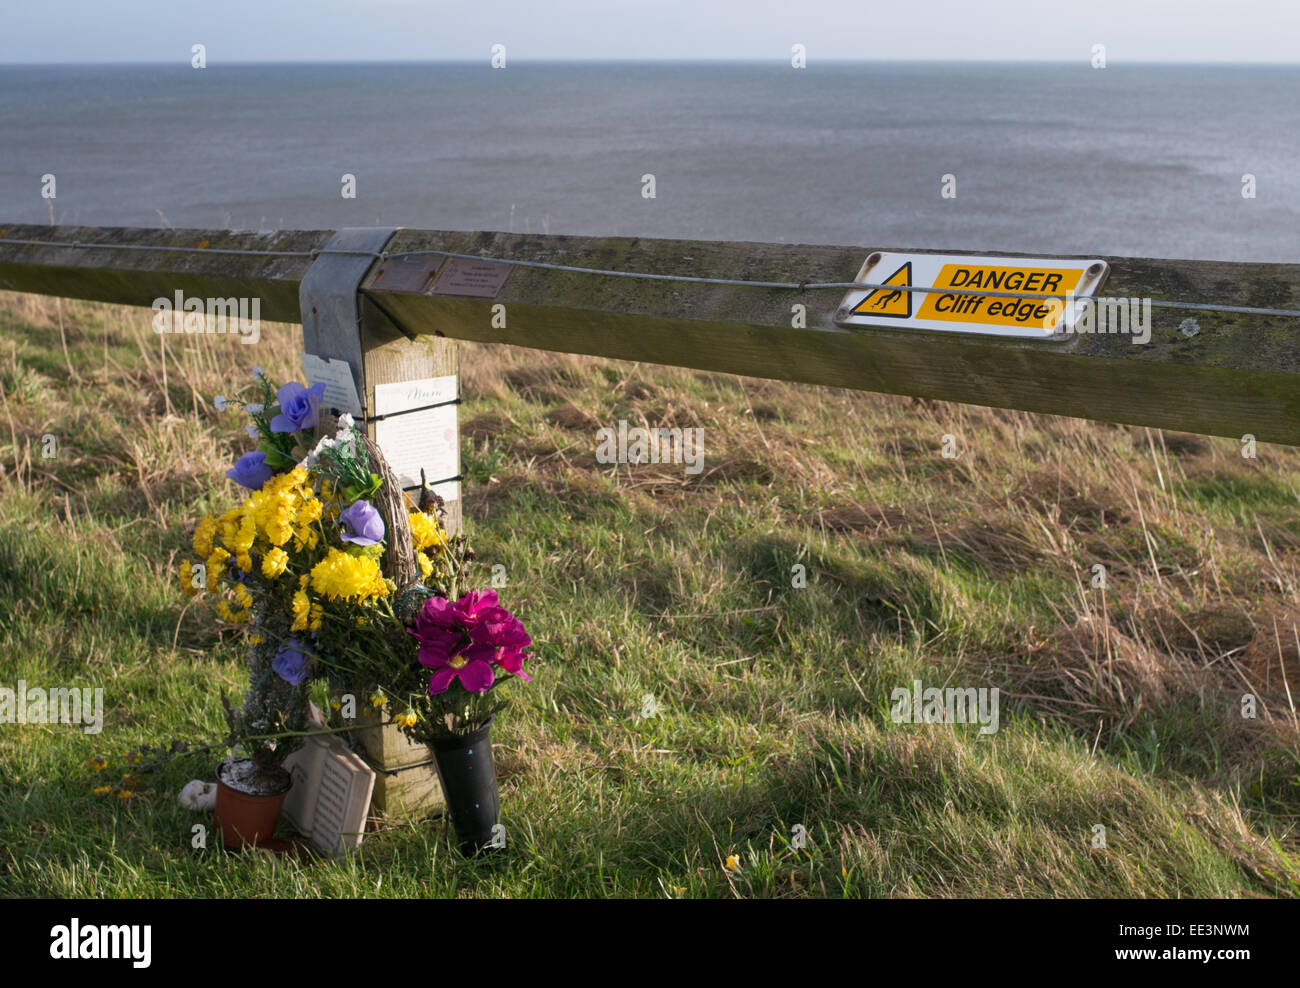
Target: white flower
346, 420
252, 431
219, 403
258, 372
254, 409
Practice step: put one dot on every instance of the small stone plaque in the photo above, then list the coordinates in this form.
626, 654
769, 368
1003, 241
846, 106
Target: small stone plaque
476, 279
406, 274
331, 793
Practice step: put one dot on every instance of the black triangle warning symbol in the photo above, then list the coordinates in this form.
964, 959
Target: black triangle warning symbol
887, 301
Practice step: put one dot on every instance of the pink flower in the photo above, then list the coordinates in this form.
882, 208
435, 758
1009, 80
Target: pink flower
503, 631
468, 640
467, 662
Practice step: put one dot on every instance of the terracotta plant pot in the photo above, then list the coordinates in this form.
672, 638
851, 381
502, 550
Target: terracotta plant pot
469, 784
245, 818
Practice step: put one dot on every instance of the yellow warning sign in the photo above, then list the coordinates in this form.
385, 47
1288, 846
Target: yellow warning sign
1050, 283
889, 301
1025, 297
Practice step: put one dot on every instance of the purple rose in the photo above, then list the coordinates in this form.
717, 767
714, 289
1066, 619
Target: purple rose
297, 407
290, 663
362, 524
251, 471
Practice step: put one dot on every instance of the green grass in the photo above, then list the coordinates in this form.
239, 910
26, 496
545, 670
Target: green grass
1120, 706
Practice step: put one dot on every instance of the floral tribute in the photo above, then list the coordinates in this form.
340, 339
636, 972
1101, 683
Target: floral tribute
298, 566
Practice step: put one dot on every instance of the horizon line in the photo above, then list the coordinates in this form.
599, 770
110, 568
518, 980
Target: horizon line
1080, 61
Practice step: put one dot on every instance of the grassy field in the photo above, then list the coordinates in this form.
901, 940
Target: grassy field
1120, 706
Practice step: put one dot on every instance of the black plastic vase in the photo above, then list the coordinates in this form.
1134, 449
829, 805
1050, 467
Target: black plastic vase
469, 784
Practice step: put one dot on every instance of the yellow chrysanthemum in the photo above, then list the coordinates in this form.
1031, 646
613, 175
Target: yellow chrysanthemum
228, 525
274, 562
255, 640
228, 613
276, 506
314, 622
243, 595
245, 535
310, 512
99, 763
279, 529
341, 576
216, 567
187, 579
301, 610
102, 790
426, 532
426, 567
203, 534
377, 700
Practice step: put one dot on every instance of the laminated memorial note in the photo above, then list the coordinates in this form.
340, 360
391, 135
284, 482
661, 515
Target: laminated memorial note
331, 793
336, 375
415, 426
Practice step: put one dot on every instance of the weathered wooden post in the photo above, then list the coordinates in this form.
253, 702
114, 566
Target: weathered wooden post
407, 391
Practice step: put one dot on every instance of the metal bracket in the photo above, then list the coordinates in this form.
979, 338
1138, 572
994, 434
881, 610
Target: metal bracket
329, 300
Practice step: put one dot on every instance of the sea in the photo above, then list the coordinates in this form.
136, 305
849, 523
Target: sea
1186, 161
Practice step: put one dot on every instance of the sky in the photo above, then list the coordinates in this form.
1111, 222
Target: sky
438, 30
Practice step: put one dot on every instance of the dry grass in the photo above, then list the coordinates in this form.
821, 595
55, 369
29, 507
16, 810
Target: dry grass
975, 570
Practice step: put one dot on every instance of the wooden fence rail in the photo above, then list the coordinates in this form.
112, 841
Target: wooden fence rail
1238, 374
